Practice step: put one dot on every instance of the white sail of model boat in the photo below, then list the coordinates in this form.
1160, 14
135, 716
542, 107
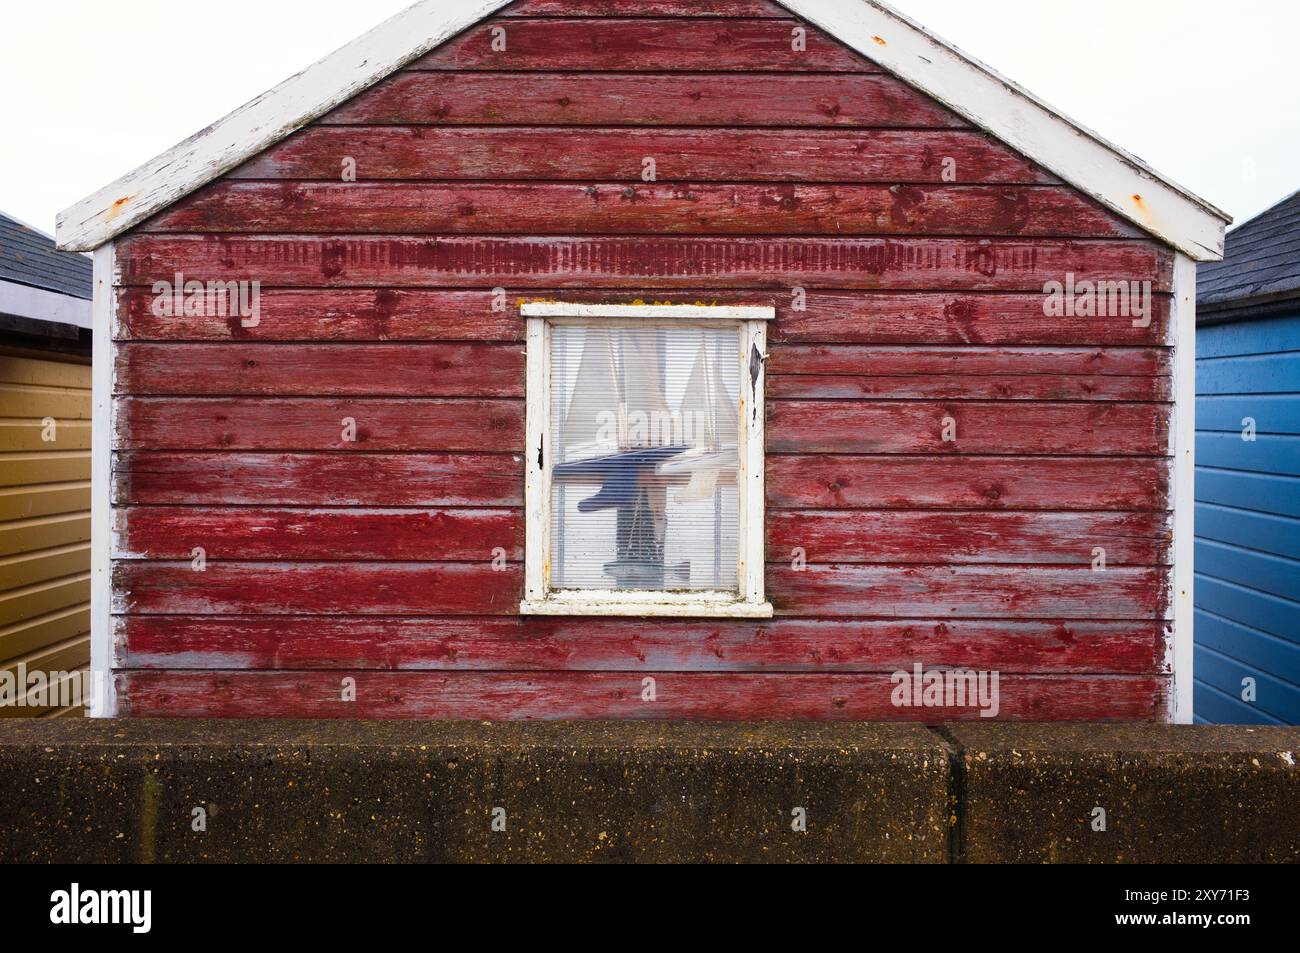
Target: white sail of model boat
591, 424
709, 421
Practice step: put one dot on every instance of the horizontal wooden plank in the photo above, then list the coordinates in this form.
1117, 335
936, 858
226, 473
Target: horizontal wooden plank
963, 538
35, 372
165, 423
628, 645
891, 157
1262, 572
648, 99
491, 370
26, 400
570, 696
980, 428
29, 435
245, 534
42, 599
409, 589
44, 565
820, 318
830, 360
974, 483
1259, 492
442, 535
1247, 338
164, 588
652, 262
68, 656
1259, 649
1257, 374
1275, 615
643, 44
29, 469
384, 314
1267, 453
318, 479
31, 502
968, 592
1276, 697
645, 8
969, 373
641, 209
983, 387
966, 319
47, 701
344, 370
25, 536
29, 635
1262, 532
1275, 413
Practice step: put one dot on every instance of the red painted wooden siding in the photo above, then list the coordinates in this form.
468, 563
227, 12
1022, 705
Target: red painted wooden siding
395, 560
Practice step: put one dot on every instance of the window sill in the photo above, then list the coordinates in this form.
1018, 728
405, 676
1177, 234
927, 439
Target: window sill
649, 610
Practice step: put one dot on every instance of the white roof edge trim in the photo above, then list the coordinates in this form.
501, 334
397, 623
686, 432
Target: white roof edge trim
1112, 176
1116, 179
266, 120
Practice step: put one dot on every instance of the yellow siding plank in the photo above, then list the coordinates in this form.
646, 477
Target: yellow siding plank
21, 370
41, 402
64, 690
45, 532
30, 469
30, 502
47, 597
31, 635
28, 436
29, 569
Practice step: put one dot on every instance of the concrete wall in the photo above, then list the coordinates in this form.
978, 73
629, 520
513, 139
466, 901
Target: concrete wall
160, 791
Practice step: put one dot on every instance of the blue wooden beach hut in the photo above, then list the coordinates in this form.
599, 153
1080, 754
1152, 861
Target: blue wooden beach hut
1248, 476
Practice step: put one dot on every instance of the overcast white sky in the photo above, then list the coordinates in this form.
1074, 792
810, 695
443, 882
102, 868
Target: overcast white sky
1207, 92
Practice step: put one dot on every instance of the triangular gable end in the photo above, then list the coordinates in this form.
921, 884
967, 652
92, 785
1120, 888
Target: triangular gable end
1079, 157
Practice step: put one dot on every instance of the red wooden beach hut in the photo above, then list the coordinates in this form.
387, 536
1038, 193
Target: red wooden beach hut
645, 359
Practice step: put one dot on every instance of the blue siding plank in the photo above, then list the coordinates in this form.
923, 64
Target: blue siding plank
1263, 493
1217, 708
1266, 532
1266, 454
1249, 337
1262, 572
1261, 374
1249, 646
1272, 414
1274, 697
1280, 617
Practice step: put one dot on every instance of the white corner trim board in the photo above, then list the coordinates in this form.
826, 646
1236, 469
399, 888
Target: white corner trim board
1112, 176
1182, 332
267, 120
102, 656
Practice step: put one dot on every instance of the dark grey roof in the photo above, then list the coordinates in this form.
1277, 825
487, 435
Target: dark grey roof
1261, 265
28, 257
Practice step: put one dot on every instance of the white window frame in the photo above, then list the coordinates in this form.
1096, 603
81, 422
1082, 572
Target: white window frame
539, 598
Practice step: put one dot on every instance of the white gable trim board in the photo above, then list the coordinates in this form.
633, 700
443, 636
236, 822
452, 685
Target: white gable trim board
1118, 180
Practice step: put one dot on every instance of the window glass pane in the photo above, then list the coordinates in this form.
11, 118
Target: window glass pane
645, 458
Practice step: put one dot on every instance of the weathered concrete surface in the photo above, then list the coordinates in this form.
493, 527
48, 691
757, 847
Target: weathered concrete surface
1171, 795
121, 792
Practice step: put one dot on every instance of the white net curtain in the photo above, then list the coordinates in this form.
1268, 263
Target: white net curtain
645, 458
